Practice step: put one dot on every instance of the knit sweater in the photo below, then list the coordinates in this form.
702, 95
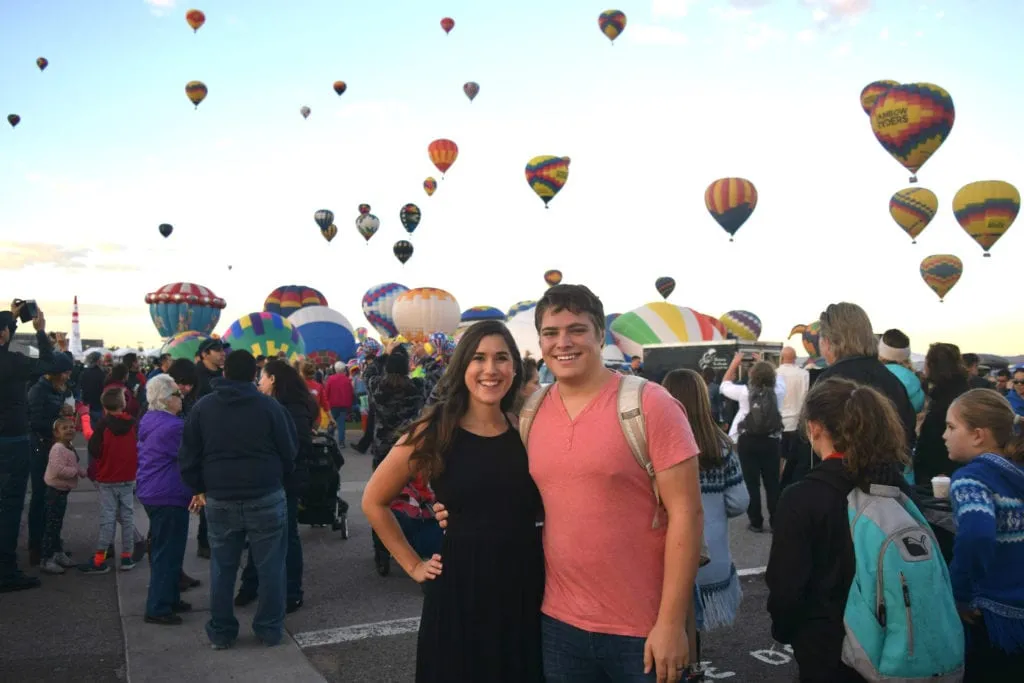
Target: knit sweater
988, 500
62, 468
724, 496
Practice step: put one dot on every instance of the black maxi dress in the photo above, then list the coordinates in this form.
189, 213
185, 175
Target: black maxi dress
481, 616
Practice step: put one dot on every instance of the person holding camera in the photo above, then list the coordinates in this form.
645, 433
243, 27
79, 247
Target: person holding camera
16, 370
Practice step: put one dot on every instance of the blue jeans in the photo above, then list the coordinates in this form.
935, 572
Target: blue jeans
340, 415
572, 655
37, 503
15, 456
168, 527
263, 521
424, 535
292, 561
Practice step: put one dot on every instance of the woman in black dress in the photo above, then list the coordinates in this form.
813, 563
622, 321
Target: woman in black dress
481, 614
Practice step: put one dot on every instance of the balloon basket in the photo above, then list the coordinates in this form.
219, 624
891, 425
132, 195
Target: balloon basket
913, 178
987, 255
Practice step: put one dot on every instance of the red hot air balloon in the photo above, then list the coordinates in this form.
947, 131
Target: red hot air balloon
443, 153
447, 24
471, 89
553, 277
340, 87
195, 19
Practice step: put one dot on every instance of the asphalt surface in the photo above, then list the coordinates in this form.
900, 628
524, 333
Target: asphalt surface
355, 625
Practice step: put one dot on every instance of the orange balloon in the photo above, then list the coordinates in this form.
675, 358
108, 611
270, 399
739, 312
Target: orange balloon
443, 153
195, 19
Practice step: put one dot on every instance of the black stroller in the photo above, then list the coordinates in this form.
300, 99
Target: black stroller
322, 503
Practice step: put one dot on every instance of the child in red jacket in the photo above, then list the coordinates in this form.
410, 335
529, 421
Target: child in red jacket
114, 460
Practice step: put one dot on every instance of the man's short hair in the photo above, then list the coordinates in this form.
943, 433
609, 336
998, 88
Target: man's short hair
240, 366
971, 359
112, 400
577, 299
130, 358
183, 371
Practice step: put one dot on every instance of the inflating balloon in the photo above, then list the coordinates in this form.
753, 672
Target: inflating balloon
941, 272
196, 91
546, 176
367, 224
13, 119
553, 277
377, 304
611, 22
195, 19
447, 24
731, 201
665, 286
326, 333
471, 89
324, 218
329, 232
166, 229
420, 312
429, 185
291, 298
305, 112
42, 63
912, 121
410, 216
662, 323
403, 250
340, 87
809, 337
265, 334
183, 306
443, 153
986, 210
913, 209
184, 345
869, 95
742, 325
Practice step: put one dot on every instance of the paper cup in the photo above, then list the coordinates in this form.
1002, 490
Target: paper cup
940, 487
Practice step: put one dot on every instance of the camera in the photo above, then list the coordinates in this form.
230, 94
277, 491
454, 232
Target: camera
29, 310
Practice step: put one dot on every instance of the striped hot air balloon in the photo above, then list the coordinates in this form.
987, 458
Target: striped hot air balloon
912, 121
288, 299
183, 306
612, 23
326, 333
941, 272
665, 286
913, 209
742, 324
872, 91
443, 154
196, 91
422, 311
986, 210
731, 201
265, 334
662, 323
547, 175
377, 304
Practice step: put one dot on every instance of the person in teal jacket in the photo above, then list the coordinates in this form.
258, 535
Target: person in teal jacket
894, 351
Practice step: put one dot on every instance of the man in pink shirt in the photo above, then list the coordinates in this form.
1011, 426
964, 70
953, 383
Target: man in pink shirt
617, 591
340, 395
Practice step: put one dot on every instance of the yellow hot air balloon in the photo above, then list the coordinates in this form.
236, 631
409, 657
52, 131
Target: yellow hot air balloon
547, 175
196, 91
941, 272
913, 209
986, 209
911, 121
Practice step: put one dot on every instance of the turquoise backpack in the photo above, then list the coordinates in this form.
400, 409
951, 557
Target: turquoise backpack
901, 619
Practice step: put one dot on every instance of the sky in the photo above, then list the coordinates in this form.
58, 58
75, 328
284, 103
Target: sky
109, 147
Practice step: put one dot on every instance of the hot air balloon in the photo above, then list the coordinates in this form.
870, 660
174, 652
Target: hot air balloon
13, 119
546, 176
941, 272
367, 224
195, 19
305, 111
287, 299
265, 334
611, 22
665, 286
184, 345
166, 229
913, 209
731, 201
471, 89
420, 312
403, 250
869, 95
986, 210
520, 323
742, 325
447, 24
196, 91
474, 315
377, 304
809, 337
324, 218
912, 121
340, 87
326, 333
443, 153
184, 306
42, 63
329, 232
364, 209
553, 277
361, 334
662, 323
410, 216
429, 185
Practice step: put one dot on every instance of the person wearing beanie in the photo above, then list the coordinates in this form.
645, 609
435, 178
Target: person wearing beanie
91, 381
340, 397
894, 352
16, 370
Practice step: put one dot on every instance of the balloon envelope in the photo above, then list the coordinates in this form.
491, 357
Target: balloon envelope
730, 202
429, 186
665, 286
986, 210
443, 154
326, 333
196, 91
911, 122
913, 209
871, 92
662, 323
265, 334
183, 306
288, 299
184, 345
742, 325
553, 277
471, 89
941, 272
378, 302
420, 312
611, 22
547, 175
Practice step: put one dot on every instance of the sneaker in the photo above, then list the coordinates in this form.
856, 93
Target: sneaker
50, 566
64, 560
93, 568
127, 563
110, 551
185, 582
220, 646
293, 606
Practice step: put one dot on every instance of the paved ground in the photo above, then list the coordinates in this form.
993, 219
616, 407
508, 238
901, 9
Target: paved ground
355, 626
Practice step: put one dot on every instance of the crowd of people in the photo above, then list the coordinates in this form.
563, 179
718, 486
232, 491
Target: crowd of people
576, 531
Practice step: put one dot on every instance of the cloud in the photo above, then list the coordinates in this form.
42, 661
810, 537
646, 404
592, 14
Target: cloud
23, 255
806, 36
831, 15
672, 9
843, 49
760, 35
160, 7
648, 34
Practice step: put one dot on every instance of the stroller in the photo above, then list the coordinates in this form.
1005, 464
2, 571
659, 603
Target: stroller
322, 503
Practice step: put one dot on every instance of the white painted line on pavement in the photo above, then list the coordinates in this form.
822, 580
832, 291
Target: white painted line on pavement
753, 571
346, 634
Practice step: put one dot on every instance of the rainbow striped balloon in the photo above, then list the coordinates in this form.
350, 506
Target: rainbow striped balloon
265, 334
872, 91
290, 298
913, 209
986, 210
941, 272
612, 22
547, 175
731, 201
912, 121
662, 323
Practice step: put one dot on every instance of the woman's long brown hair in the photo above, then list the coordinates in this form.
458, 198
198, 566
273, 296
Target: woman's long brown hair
431, 435
689, 388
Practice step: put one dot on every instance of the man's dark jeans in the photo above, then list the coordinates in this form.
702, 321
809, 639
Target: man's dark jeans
292, 561
37, 504
168, 527
263, 521
572, 655
340, 415
15, 458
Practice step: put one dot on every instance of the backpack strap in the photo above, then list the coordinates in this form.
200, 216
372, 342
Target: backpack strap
529, 412
634, 428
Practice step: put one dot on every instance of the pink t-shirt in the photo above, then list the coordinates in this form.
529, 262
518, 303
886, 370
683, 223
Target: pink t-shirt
605, 564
